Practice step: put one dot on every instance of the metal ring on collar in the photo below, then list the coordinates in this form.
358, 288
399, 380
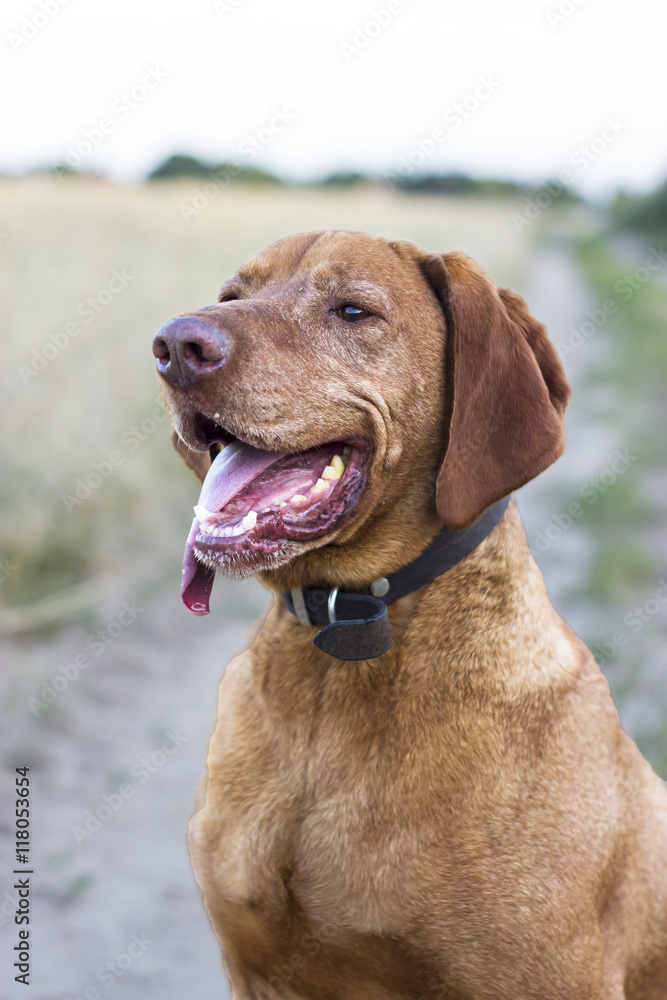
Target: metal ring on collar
331, 605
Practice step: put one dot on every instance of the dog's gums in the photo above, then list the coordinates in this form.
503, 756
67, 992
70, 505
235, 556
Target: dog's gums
254, 502
289, 489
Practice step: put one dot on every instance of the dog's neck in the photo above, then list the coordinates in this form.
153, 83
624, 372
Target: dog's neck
479, 606
355, 623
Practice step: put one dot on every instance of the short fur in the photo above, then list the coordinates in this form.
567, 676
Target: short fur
463, 817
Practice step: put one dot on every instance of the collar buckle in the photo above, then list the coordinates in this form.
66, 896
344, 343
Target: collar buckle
331, 606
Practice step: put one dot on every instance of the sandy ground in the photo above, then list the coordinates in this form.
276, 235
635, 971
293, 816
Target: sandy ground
93, 892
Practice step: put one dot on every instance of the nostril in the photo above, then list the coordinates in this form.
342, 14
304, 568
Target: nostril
161, 349
201, 352
187, 348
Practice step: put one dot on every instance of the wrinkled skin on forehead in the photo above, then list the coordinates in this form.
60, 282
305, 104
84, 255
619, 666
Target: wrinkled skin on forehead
298, 375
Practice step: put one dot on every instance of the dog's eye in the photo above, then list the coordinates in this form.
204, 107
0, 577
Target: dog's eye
228, 297
351, 313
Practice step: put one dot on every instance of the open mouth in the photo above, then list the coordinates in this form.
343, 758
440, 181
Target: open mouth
254, 502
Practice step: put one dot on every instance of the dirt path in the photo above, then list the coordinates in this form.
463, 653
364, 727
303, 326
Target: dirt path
558, 296
153, 692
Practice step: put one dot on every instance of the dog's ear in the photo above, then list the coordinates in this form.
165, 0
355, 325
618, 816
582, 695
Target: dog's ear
505, 391
198, 461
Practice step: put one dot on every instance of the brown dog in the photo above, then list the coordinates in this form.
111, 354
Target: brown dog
461, 816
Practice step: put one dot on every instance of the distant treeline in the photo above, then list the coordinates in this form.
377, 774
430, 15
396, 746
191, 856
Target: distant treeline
181, 165
642, 213
646, 214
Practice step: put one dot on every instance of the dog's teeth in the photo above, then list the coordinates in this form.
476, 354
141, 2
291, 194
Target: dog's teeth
298, 498
319, 486
335, 470
267, 510
346, 451
282, 503
238, 529
227, 531
202, 514
249, 521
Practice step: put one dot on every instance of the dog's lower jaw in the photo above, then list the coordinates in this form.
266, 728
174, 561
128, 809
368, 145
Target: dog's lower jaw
265, 566
371, 550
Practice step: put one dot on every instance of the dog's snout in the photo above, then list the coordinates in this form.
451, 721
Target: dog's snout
187, 348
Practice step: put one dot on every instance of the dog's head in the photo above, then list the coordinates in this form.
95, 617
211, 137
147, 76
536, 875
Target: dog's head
345, 398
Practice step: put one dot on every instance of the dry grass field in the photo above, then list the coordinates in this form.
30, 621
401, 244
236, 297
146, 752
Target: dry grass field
96, 507
73, 398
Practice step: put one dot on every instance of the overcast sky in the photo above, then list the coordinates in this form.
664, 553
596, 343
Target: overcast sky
522, 88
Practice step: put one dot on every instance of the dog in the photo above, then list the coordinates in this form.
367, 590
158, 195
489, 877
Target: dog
417, 785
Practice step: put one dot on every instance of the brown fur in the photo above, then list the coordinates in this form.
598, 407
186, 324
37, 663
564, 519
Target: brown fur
463, 817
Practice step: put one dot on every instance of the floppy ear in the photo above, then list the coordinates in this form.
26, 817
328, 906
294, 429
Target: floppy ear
505, 391
198, 461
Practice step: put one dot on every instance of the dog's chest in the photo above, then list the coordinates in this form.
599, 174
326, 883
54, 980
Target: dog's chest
313, 878
332, 857
305, 846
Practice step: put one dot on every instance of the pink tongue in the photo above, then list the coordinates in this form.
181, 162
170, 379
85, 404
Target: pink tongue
236, 466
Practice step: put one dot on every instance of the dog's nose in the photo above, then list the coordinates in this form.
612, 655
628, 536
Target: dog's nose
187, 348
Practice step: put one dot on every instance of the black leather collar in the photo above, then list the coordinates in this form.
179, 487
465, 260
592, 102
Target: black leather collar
356, 624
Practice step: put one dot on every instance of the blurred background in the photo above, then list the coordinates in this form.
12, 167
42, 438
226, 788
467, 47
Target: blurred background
146, 151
